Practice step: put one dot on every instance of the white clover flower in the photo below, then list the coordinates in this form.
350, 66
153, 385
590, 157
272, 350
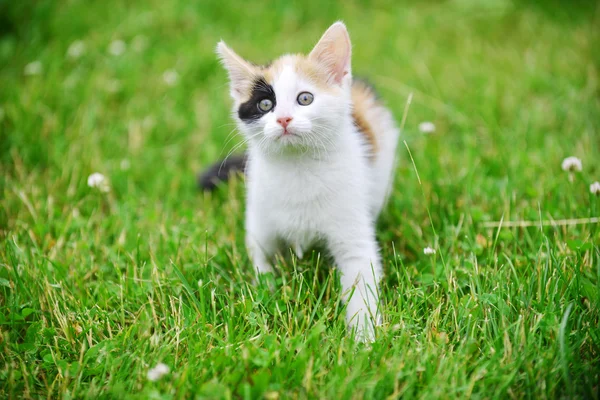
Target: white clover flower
76, 49
595, 188
33, 68
117, 47
170, 77
428, 251
98, 181
571, 164
427, 127
158, 372
139, 43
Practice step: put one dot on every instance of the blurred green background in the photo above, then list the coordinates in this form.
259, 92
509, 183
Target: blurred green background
91, 282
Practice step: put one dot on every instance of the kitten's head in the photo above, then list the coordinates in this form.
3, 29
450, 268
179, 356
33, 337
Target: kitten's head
297, 102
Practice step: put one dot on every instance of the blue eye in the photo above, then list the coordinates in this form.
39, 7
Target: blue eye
305, 98
265, 105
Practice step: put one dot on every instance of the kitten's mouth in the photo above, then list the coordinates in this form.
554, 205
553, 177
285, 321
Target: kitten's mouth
286, 133
288, 139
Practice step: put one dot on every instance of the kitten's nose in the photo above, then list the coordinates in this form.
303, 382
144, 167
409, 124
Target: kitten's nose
284, 121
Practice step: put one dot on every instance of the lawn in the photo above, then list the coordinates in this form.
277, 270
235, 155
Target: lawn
99, 287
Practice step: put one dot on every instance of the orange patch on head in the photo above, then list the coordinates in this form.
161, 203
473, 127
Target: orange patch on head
304, 67
315, 74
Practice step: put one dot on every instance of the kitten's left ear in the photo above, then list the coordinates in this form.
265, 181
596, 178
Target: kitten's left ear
333, 51
241, 72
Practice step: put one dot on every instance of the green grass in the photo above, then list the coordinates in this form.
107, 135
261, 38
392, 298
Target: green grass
96, 289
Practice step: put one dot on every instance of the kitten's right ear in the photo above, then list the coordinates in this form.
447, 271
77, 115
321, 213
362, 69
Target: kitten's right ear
241, 72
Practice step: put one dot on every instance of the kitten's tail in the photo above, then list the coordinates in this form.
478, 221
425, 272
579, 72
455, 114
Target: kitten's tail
220, 171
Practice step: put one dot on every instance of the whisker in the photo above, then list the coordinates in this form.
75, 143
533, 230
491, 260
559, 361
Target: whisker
235, 148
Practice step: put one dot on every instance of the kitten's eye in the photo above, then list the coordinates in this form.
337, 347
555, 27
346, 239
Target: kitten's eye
265, 105
305, 98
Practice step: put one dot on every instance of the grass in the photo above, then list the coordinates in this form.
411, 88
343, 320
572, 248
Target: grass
97, 288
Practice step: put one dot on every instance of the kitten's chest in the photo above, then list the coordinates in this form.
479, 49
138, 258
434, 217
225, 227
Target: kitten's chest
297, 213
296, 198
301, 194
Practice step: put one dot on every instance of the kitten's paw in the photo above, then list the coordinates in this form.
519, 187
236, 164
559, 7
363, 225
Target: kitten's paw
363, 331
362, 319
263, 268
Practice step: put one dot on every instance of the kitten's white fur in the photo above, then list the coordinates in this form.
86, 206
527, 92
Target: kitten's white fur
319, 183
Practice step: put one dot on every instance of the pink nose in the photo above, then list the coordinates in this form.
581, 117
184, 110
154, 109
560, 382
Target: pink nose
284, 121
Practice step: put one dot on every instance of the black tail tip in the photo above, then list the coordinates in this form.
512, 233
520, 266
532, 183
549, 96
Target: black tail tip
220, 172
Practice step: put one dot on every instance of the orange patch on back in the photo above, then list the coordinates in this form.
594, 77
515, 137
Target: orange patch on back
363, 98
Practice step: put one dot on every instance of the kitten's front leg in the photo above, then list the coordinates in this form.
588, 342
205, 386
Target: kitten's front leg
357, 257
260, 243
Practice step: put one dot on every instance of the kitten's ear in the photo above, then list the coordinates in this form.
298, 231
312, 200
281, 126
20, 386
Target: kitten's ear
333, 51
241, 72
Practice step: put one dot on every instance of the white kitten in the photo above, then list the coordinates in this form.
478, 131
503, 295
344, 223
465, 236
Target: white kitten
321, 152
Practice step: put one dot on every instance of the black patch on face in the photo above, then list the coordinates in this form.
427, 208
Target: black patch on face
249, 111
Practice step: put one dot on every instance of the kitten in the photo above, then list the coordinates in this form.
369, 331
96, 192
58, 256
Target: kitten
321, 152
